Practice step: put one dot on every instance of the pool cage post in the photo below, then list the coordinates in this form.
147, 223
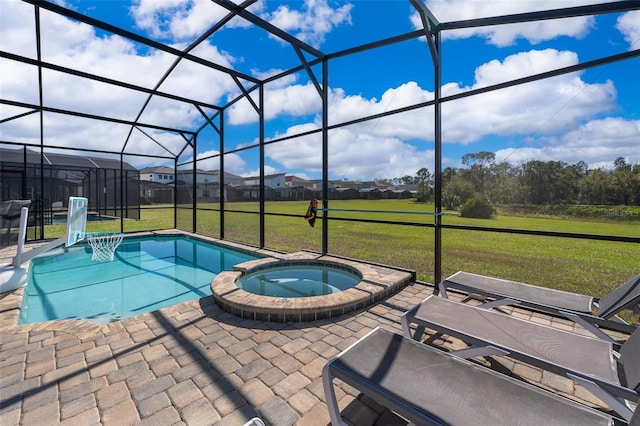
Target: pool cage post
175, 192
325, 155
432, 33
124, 192
437, 217
261, 149
194, 202
221, 184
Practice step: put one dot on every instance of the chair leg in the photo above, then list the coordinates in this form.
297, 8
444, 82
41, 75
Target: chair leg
619, 405
330, 395
406, 319
588, 326
442, 290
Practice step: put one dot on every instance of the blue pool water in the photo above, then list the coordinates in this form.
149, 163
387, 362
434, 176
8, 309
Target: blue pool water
298, 281
148, 273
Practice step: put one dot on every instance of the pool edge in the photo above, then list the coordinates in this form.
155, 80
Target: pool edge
377, 283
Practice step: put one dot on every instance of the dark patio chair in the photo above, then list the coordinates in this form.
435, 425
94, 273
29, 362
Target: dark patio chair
608, 370
428, 386
576, 307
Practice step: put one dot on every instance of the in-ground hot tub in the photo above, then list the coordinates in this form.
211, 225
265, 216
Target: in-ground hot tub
304, 287
299, 279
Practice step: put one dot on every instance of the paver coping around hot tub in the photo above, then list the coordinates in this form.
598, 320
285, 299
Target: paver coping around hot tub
377, 282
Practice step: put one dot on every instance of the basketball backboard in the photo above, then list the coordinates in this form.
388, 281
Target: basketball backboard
76, 220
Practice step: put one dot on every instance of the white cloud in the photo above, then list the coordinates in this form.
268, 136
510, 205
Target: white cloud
505, 35
175, 19
379, 148
629, 25
233, 163
546, 106
310, 24
592, 142
186, 19
17, 28
385, 147
78, 46
542, 107
293, 100
352, 155
268, 170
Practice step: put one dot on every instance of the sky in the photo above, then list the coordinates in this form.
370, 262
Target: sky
591, 116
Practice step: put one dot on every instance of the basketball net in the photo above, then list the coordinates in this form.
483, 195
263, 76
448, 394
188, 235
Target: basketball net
104, 246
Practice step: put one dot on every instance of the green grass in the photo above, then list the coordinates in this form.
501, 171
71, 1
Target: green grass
584, 266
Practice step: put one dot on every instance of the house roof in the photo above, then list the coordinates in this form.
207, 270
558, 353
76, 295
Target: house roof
158, 169
62, 160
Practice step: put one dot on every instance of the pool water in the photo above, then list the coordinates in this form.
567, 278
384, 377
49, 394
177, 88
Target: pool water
148, 273
298, 281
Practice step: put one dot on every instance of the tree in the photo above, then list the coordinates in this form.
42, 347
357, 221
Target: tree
580, 169
479, 207
506, 187
623, 182
457, 191
406, 180
479, 168
548, 182
597, 187
425, 182
447, 174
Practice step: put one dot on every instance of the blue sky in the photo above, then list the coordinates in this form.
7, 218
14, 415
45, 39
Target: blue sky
591, 116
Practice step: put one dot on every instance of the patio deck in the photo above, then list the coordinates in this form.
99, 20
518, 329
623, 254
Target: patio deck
195, 364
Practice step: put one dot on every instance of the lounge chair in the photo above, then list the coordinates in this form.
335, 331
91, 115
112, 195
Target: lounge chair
428, 386
608, 370
576, 307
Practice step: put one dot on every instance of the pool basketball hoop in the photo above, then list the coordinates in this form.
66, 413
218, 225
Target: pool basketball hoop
104, 246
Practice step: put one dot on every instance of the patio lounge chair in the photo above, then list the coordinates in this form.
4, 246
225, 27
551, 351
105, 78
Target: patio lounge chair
428, 386
576, 307
606, 369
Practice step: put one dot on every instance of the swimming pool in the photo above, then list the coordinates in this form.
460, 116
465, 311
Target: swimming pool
148, 273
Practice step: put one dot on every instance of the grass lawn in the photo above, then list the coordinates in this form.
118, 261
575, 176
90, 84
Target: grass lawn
584, 266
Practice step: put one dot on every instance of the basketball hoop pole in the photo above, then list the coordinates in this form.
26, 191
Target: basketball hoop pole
38, 250
22, 231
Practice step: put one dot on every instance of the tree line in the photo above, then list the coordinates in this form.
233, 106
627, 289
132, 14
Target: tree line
532, 182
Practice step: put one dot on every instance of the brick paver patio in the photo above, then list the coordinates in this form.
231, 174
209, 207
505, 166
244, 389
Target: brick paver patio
195, 364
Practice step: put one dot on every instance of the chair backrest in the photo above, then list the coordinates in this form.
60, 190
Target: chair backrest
624, 297
630, 352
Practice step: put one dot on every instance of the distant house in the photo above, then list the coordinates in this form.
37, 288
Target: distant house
295, 181
270, 181
345, 193
317, 184
248, 193
160, 174
158, 184
48, 179
350, 184
402, 193
370, 194
209, 176
155, 193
